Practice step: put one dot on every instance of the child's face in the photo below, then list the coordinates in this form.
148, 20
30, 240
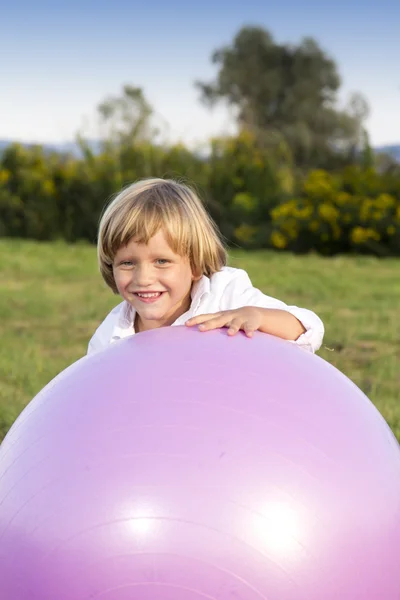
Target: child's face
154, 280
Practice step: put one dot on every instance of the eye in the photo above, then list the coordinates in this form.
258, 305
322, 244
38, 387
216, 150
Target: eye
162, 261
126, 263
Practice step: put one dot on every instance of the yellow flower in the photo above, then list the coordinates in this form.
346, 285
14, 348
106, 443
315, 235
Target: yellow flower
327, 212
285, 210
245, 233
391, 230
343, 198
357, 235
305, 212
245, 202
386, 201
4, 176
278, 240
319, 184
360, 235
48, 187
290, 228
366, 209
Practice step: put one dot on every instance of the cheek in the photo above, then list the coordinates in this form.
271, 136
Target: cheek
121, 278
178, 281
185, 279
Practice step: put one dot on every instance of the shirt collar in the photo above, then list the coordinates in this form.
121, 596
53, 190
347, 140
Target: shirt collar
126, 319
199, 288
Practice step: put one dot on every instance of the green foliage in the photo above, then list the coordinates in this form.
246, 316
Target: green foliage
347, 212
245, 181
287, 92
252, 190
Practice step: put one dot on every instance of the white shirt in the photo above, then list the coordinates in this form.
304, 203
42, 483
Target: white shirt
225, 290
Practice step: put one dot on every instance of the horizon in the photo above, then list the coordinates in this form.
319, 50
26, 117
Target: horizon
63, 62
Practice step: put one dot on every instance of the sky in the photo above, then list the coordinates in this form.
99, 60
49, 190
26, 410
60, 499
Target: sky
60, 60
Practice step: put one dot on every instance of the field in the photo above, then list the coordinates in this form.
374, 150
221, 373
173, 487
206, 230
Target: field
52, 298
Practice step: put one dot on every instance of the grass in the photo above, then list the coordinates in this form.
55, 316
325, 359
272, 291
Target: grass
52, 299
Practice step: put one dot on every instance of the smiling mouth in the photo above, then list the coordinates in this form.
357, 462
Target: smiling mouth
148, 296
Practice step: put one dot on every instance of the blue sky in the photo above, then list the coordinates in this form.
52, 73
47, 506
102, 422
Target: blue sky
60, 61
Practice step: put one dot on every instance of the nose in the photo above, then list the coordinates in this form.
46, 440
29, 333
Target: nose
144, 276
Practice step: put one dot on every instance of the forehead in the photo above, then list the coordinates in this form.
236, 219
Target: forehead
156, 245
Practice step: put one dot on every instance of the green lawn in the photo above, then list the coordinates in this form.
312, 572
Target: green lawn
52, 299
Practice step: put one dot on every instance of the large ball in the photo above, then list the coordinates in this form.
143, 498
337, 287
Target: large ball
180, 465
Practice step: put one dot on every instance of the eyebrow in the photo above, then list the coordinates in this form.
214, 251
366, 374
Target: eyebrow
129, 254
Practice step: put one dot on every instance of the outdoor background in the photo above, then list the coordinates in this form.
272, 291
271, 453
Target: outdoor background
286, 120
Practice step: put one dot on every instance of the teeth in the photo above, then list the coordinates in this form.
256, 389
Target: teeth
152, 295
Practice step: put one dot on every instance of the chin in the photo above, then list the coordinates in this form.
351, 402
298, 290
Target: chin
153, 317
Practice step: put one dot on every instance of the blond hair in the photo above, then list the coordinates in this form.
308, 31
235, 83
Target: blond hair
139, 211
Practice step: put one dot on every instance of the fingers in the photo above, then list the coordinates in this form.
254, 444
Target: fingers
249, 327
223, 319
238, 324
249, 330
215, 323
199, 319
234, 326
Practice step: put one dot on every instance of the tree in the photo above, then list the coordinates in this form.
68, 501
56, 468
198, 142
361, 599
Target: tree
284, 92
127, 133
126, 118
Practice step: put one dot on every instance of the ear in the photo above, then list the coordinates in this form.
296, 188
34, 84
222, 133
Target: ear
196, 277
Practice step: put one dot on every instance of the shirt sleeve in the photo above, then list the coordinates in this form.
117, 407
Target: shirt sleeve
96, 344
240, 292
103, 335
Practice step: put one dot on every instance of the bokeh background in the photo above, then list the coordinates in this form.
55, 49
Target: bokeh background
284, 116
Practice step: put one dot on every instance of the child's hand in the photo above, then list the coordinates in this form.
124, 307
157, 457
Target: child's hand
247, 318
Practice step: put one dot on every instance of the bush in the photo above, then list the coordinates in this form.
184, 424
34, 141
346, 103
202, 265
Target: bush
331, 216
253, 193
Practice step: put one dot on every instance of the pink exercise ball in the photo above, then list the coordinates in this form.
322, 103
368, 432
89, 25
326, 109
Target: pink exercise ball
179, 465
